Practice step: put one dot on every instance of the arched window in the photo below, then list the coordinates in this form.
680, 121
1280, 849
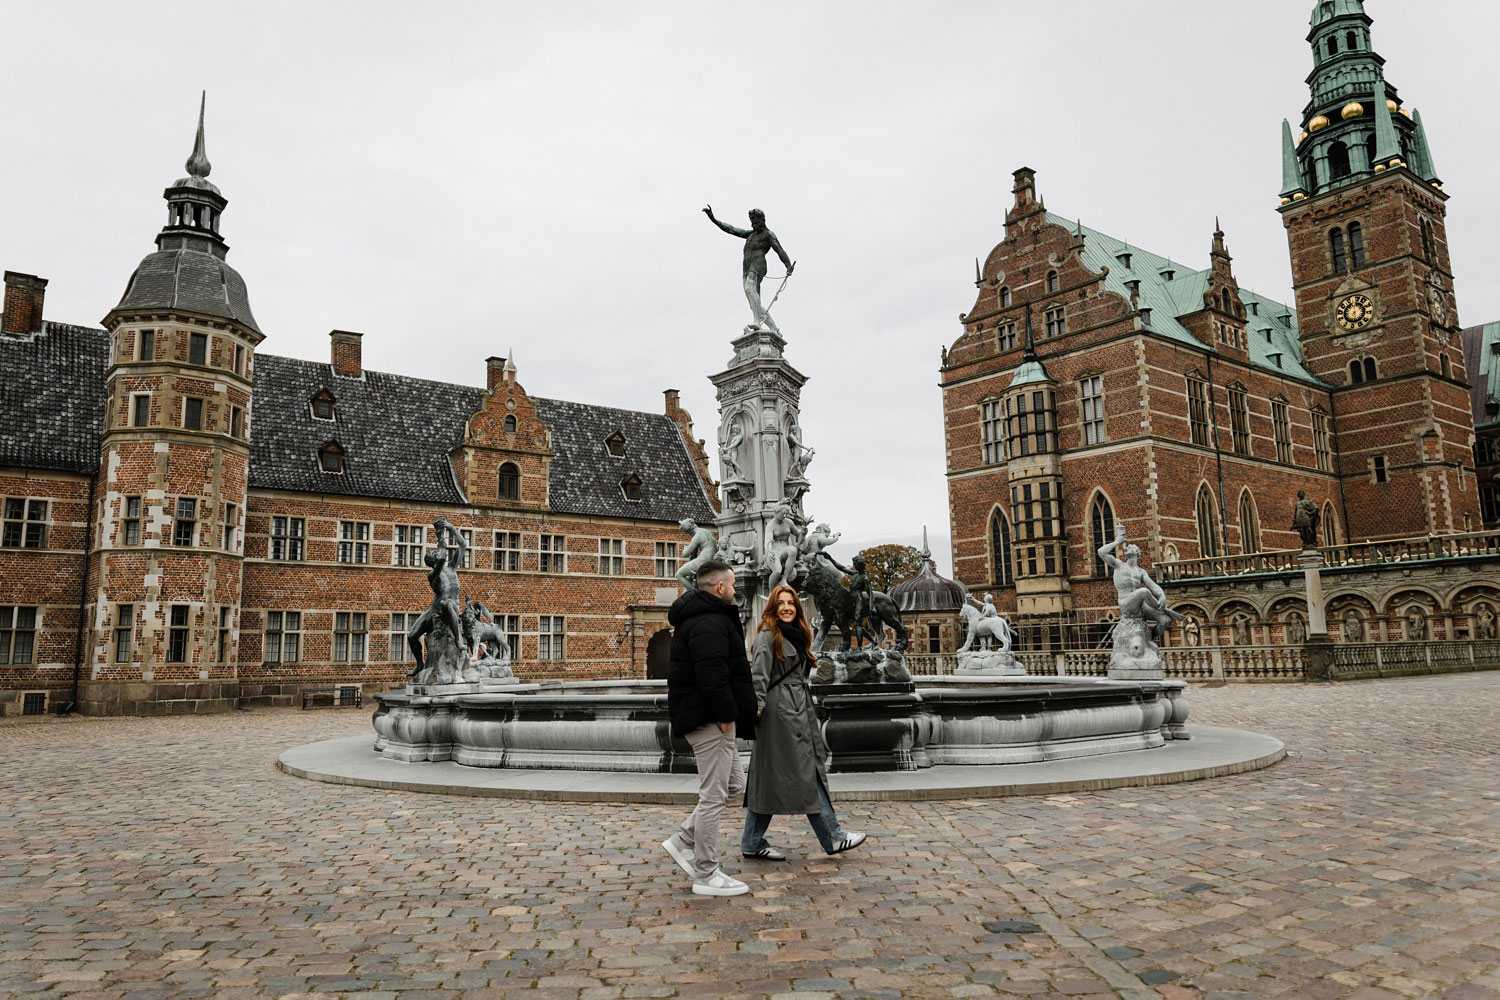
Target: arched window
322, 405
1336, 248
331, 457
1356, 245
1052, 281
1338, 161
1249, 524
1447, 367
1226, 301
1000, 555
1329, 525
1208, 534
510, 423
631, 487
1356, 373
1350, 41
1369, 364
615, 445
1004, 297
509, 482
1333, 45
1101, 530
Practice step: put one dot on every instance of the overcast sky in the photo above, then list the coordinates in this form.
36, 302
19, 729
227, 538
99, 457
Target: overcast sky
455, 180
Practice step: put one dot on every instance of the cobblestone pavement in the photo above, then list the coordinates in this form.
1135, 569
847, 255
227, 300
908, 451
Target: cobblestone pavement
168, 858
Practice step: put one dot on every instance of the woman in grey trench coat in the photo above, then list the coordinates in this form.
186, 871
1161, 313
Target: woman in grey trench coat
787, 769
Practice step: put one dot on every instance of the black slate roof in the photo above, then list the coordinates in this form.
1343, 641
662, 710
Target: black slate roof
190, 280
52, 398
396, 432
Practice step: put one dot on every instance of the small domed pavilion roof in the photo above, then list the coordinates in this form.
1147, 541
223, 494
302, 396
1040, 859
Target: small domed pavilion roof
927, 591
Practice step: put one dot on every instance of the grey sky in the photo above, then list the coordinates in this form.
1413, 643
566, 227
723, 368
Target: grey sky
454, 180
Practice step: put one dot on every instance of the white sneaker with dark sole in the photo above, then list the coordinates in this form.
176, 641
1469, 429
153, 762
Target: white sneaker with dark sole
848, 842
766, 853
679, 854
719, 884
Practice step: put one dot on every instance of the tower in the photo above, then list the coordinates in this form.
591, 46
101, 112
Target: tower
1034, 477
165, 571
1364, 208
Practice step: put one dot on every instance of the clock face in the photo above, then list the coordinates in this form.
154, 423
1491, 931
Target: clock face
1435, 307
1355, 312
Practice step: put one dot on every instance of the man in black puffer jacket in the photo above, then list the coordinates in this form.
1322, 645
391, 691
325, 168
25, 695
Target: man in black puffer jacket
711, 699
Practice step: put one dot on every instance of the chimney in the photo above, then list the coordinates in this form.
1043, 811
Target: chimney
348, 357
1025, 189
673, 405
494, 372
23, 303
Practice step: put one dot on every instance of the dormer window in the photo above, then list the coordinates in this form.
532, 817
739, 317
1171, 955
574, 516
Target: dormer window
631, 487
510, 423
331, 457
615, 445
1124, 259
1133, 285
1254, 308
1168, 274
322, 405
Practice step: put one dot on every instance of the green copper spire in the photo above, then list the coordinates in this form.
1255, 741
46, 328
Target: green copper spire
1424, 168
1387, 146
1291, 173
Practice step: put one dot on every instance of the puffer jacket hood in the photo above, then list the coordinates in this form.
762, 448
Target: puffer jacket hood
698, 602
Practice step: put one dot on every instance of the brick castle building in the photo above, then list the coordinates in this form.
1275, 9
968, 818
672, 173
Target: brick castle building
189, 523
1097, 384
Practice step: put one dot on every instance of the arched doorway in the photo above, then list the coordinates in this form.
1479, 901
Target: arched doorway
659, 655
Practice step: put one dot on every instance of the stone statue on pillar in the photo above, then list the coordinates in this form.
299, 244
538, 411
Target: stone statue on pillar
758, 242
1305, 518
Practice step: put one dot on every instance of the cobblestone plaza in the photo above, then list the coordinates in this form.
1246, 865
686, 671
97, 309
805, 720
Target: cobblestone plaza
168, 858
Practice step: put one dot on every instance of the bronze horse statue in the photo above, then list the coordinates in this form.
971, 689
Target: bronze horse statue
836, 606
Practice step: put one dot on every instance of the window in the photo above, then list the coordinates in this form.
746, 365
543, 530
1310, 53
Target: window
185, 522
349, 636
231, 525
934, 638
553, 557
549, 640
1249, 524
146, 348
132, 521
666, 559
1005, 336
1004, 297
1101, 531
992, 429
511, 626
1197, 392
1028, 429
331, 457
1037, 512
1239, 419
1336, 247
1330, 525
1369, 367
17, 634
407, 548
197, 348
508, 551
510, 423
631, 487
1429, 244
236, 422
177, 634
615, 445
1377, 468
1091, 408
1486, 451
283, 636
1053, 322
1001, 566
1349, 41
1489, 504
288, 535
1052, 281
1322, 438
192, 414
1208, 532
1281, 424
1356, 373
1333, 45
140, 409
1356, 245
239, 359
25, 524
466, 553
221, 644
354, 542
508, 485
322, 405
399, 651
611, 556
124, 631
1338, 161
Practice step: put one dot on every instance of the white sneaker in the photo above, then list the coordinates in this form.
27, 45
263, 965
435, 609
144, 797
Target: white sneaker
719, 884
673, 845
848, 842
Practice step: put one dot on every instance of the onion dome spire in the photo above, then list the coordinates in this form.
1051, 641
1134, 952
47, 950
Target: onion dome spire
197, 164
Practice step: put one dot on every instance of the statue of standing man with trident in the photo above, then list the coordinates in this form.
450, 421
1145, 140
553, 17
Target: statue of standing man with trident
758, 242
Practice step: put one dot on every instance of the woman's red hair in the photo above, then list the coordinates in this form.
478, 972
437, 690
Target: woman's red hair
768, 619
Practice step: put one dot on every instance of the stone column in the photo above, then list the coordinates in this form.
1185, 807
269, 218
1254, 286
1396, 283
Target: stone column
1318, 647
759, 397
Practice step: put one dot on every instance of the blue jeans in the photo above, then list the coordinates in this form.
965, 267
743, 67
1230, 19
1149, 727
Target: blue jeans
824, 823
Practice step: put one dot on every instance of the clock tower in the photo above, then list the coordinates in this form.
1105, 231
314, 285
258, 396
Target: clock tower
1363, 208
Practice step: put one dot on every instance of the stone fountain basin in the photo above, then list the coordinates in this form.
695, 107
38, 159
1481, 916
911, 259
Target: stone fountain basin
623, 725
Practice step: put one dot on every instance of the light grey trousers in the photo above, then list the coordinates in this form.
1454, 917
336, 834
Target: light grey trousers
720, 778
